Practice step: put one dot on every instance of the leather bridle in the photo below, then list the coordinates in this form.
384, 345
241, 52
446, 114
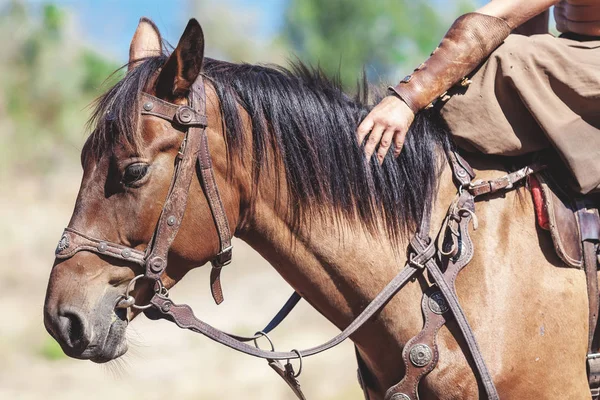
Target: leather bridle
194, 149
425, 253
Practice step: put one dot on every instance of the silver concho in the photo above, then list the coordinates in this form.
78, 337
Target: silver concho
63, 243
420, 355
437, 303
400, 396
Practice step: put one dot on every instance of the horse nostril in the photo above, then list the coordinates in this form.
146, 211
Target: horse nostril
73, 330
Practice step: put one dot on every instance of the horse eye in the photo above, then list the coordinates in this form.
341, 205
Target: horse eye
134, 173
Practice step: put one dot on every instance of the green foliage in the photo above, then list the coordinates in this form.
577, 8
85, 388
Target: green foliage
50, 350
383, 35
46, 81
97, 70
54, 19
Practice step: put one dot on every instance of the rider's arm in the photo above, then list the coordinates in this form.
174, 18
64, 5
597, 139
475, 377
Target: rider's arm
469, 41
535, 26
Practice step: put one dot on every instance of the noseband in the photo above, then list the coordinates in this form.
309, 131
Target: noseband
192, 119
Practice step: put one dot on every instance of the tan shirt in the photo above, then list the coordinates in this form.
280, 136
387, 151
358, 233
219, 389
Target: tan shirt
578, 16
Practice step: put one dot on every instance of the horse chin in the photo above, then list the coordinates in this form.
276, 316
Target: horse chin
113, 345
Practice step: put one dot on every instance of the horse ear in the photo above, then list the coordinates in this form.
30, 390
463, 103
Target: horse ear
146, 42
184, 65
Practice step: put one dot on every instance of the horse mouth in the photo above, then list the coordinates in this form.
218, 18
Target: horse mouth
113, 346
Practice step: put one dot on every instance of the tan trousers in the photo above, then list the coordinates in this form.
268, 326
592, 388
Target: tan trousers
533, 93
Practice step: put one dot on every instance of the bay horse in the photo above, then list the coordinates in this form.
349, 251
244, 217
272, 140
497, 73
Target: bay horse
294, 184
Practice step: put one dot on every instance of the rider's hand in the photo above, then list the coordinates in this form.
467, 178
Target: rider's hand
388, 123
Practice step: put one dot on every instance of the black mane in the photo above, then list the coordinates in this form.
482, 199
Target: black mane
309, 124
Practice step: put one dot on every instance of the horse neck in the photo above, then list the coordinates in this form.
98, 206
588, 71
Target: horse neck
339, 267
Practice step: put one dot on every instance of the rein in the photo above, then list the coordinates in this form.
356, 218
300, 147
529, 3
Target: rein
442, 258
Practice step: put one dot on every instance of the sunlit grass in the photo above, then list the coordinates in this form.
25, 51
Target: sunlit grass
50, 350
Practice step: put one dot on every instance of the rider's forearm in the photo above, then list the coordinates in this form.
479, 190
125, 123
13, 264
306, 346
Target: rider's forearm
468, 42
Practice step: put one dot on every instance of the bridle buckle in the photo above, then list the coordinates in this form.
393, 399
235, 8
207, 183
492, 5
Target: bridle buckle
223, 258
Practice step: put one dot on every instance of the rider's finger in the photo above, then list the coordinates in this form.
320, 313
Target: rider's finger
399, 138
373, 140
363, 129
384, 145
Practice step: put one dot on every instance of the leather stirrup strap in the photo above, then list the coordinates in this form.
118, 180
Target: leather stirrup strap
593, 358
589, 224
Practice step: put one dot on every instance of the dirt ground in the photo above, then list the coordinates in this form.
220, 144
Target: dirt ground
33, 213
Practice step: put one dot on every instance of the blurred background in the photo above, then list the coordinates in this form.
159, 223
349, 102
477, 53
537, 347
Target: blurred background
55, 58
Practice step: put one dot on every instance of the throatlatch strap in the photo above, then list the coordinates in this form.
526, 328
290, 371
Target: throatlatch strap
209, 184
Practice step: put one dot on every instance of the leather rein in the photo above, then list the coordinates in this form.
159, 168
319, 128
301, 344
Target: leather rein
453, 245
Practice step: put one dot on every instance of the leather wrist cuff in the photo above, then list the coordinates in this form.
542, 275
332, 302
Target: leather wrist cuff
471, 39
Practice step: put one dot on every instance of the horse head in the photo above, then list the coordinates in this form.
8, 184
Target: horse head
128, 164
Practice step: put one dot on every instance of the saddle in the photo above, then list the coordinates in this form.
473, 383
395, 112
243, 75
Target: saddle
557, 212
574, 224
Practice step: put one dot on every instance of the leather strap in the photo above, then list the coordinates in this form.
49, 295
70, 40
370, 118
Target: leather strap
449, 292
275, 321
593, 357
194, 148
73, 241
175, 204
420, 354
183, 316
589, 225
481, 187
223, 257
287, 374
362, 373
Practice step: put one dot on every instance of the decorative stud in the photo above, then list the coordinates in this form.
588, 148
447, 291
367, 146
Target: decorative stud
102, 247
185, 115
406, 79
171, 220
437, 303
157, 264
148, 106
420, 355
126, 253
166, 307
63, 243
